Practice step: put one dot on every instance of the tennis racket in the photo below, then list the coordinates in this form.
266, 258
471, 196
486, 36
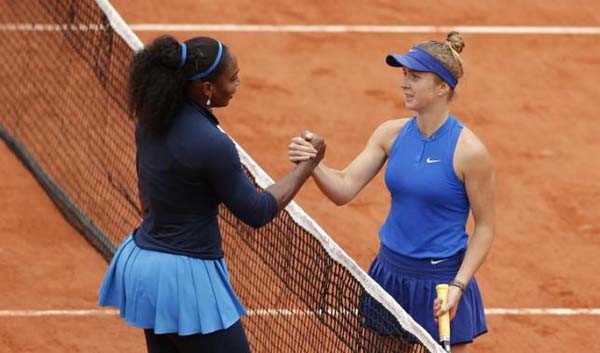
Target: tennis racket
444, 320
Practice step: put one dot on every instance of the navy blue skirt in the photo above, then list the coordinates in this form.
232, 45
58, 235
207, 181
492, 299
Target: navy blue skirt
412, 283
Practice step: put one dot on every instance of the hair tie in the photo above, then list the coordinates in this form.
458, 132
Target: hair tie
183, 54
212, 67
458, 284
449, 44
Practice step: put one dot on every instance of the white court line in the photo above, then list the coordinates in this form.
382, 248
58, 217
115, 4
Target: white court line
197, 27
292, 312
34, 313
192, 27
543, 311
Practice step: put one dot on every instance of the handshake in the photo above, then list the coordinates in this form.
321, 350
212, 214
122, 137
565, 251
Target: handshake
307, 147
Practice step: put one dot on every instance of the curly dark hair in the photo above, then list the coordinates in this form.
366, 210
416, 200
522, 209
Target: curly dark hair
157, 82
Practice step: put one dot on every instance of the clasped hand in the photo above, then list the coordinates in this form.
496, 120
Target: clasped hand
307, 146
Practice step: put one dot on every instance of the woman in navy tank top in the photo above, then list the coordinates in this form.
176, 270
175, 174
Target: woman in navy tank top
438, 171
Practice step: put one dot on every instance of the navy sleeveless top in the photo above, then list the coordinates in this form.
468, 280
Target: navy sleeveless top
430, 207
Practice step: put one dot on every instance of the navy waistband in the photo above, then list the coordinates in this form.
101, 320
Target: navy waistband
433, 268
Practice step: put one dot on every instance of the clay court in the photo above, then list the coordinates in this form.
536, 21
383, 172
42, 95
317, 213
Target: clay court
531, 98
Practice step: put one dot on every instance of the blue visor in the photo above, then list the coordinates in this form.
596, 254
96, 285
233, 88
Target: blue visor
418, 59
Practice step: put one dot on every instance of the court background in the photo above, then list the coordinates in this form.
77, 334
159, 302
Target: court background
530, 98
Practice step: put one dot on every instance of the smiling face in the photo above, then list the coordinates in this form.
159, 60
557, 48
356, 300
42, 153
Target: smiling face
221, 89
226, 84
421, 89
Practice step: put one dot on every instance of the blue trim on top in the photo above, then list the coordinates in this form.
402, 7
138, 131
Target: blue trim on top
212, 67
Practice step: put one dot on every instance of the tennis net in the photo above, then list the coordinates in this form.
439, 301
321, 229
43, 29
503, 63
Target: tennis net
64, 66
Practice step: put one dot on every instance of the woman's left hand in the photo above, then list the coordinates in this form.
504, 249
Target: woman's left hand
454, 295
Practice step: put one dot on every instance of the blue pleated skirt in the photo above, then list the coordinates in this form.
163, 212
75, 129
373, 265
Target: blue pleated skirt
412, 283
169, 293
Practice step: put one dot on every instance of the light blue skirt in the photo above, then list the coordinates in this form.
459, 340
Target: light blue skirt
169, 293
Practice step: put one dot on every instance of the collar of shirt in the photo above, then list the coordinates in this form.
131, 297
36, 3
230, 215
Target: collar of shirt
206, 112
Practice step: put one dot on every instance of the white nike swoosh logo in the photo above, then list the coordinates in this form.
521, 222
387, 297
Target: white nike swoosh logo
435, 262
429, 160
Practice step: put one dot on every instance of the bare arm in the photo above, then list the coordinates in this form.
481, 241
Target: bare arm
341, 186
480, 184
478, 173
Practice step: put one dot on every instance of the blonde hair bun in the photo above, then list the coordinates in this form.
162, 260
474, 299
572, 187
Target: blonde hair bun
456, 41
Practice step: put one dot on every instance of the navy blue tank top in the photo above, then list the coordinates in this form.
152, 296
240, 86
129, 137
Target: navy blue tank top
429, 207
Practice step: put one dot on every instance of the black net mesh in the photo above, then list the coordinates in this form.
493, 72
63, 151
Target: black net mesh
63, 110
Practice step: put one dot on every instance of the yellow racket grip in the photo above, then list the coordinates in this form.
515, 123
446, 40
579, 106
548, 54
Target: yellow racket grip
444, 320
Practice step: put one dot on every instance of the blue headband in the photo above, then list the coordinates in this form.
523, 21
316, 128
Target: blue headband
212, 67
418, 59
183, 54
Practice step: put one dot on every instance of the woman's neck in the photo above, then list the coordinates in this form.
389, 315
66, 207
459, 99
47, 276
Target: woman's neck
200, 104
431, 118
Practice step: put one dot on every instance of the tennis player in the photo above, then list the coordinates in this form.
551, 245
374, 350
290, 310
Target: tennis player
438, 170
169, 277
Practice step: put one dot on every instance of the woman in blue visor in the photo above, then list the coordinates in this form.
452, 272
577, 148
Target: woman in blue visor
437, 172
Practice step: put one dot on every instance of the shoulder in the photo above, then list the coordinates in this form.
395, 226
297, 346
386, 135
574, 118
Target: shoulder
197, 142
471, 152
222, 144
391, 126
386, 133
196, 128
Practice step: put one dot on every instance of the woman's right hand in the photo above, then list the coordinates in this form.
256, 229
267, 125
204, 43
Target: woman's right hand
307, 146
307, 150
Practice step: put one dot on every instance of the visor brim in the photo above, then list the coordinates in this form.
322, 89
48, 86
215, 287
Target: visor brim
396, 60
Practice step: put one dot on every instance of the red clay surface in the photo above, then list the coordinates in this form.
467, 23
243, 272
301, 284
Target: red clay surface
46, 265
531, 99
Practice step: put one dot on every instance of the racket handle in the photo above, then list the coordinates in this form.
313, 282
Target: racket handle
444, 320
